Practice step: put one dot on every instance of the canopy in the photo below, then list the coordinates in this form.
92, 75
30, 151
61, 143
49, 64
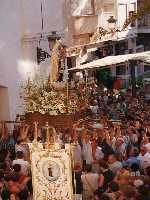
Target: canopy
114, 60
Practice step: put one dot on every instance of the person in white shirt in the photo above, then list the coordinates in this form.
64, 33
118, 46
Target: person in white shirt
144, 156
114, 164
21, 146
120, 146
94, 108
77, 154
25, 166
90, 183
99, 154
87, 150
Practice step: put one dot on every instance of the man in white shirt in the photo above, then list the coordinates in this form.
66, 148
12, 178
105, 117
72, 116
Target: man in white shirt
99, 154
25, 166
90, 183
120, 146
87, 150
145, 156
77, 154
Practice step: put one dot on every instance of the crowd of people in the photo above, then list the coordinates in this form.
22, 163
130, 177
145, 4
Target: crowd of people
112, 156
15, 171
111, 152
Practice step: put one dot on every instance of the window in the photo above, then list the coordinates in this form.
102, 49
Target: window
122, 14
146, 68
120, 70
82, 7
132, 11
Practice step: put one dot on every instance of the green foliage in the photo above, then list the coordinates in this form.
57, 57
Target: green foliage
139, 81
103, 76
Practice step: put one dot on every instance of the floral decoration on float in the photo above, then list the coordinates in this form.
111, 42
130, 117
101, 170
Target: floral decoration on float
53, 102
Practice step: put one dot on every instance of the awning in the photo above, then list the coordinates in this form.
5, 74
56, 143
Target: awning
113, 60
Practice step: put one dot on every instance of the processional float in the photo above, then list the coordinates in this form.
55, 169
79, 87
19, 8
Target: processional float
50, 164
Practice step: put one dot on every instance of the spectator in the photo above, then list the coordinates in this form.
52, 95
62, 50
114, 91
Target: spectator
25, 167
90, 183
114, 164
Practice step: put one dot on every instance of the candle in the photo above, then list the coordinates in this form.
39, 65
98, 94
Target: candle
35, 131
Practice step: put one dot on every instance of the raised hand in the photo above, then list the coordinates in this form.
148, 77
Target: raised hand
24, 132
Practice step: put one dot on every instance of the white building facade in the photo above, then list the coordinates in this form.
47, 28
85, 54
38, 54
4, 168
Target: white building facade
87, 15
21, 29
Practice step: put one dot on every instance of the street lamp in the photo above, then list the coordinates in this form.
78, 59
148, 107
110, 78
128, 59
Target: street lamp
52, 39
112, 23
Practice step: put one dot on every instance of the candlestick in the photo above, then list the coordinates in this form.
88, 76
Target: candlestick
35, 131
47, 133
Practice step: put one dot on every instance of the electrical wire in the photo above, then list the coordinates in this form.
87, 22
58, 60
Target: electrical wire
42, 22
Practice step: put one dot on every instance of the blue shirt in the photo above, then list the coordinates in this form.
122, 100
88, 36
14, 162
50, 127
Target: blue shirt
131, 161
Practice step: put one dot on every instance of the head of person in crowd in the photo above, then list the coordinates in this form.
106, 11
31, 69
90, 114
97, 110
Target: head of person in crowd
88, 168
17, 168
24, 194
143, 150
4, 153
138, 124
112, 159
135, 167
134, 152
20, 155
12, 197
103, 164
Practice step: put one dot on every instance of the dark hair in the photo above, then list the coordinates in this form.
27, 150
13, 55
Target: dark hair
2, 174
135, 152
103, 163
3, 154
3, 166
88, 168
114, 187
19, 141
114, 156
19, 154
23, 195
15, 178
143, 190
148, 171
17, 167
134, 167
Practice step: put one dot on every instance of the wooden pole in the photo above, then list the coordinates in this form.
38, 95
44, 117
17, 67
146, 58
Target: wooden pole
66, 71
